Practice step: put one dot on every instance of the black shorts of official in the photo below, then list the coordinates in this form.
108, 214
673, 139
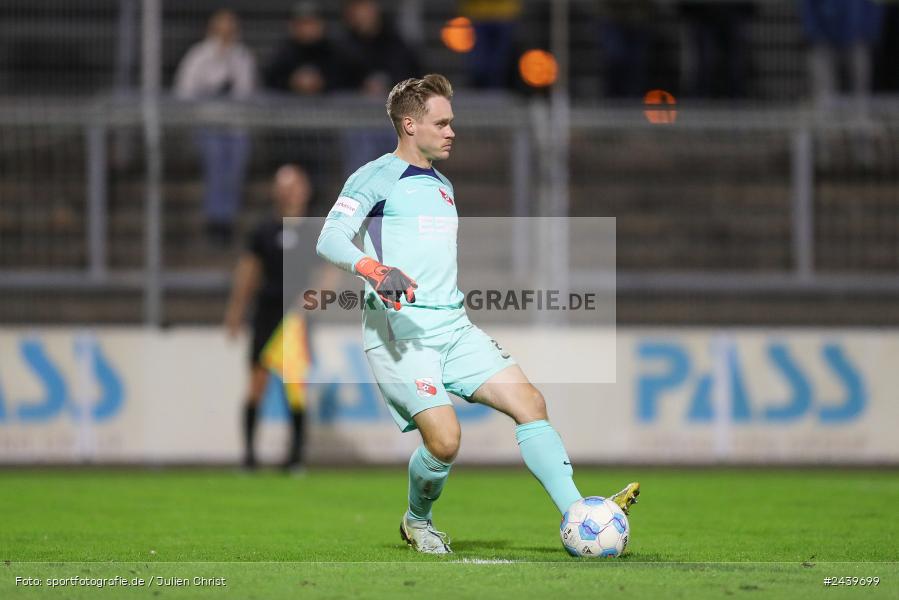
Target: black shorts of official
266, 319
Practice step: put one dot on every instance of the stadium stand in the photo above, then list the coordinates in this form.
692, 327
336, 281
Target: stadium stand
720, 202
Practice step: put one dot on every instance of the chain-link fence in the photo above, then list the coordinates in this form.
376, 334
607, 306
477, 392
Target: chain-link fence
749, 213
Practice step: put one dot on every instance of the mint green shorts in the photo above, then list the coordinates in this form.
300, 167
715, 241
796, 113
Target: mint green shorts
414, 375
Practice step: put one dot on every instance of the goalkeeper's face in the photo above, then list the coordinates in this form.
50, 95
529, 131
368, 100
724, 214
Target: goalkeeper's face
434, 133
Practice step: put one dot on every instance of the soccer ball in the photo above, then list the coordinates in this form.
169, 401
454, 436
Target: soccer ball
594, 527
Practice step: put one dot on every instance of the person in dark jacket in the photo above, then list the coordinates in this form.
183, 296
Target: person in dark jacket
373, 55
720, 65
306, 62
626, 38
373, 58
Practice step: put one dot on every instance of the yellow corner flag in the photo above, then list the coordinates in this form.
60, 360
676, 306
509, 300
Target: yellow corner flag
286, 354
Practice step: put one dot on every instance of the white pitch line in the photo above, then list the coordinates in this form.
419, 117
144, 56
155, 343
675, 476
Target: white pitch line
485, 561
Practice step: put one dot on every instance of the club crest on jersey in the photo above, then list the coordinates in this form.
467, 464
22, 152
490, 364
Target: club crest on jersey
446, 197
425, 387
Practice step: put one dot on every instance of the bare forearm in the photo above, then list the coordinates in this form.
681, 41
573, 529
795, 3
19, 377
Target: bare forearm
246, 282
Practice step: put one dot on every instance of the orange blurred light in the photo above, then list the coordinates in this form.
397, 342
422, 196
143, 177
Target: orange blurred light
458, 34
538, 68
654, 101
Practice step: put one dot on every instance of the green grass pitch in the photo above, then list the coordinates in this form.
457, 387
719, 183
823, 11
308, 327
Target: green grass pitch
712, 533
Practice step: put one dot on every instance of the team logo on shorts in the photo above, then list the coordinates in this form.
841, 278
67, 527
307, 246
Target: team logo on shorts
425, 387
446, 197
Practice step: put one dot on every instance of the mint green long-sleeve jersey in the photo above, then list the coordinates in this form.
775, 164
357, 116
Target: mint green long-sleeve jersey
406, 217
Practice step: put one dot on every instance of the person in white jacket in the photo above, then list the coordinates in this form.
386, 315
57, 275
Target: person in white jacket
220, 67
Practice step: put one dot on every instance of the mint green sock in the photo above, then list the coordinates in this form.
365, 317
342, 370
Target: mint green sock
426, 478
543, 453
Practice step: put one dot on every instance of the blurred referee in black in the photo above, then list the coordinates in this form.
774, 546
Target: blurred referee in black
259, 274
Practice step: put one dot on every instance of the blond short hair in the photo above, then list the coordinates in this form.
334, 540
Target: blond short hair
408, 98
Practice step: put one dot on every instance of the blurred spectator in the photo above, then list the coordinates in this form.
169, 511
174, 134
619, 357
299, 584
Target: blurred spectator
305, 63
374, 56
886, 75
219, 68
719, 65
842, 33
625, 43
493, 58
410, 22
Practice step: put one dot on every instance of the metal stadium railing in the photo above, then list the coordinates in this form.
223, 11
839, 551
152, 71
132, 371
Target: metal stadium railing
100, 187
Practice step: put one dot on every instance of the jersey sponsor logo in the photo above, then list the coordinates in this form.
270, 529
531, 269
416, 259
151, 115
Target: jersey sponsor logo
425, 387
446, 197
437, 227
346, 205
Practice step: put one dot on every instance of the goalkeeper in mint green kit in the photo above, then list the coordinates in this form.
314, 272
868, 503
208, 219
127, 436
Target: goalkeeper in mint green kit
417, 337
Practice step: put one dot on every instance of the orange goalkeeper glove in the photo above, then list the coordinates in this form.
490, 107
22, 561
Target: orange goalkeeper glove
389, 282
